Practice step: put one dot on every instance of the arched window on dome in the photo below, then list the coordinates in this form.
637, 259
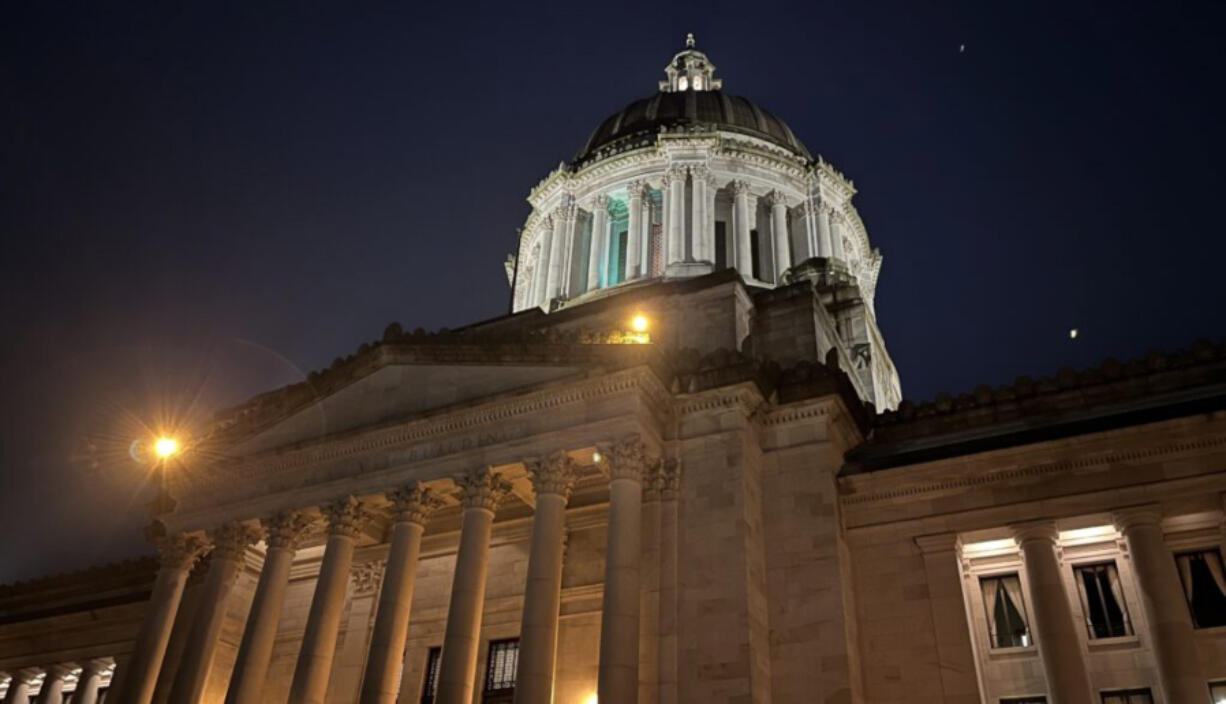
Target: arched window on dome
683, 83
697, 82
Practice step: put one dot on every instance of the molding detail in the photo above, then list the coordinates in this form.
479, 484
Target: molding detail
287, 529
556, 475
346, 517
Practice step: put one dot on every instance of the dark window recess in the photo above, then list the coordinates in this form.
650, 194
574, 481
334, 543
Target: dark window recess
1204, 586
754, 258
622, 238
1024, 700
500, 670
430, 686
1102, 601
721, 245
1005, 611
1217, 692
1128, 696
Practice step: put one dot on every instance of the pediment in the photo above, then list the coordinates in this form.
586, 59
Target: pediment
399, 391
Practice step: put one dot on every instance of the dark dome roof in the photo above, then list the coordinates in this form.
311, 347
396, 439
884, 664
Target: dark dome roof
712, 108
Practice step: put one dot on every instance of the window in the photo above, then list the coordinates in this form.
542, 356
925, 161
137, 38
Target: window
1024, 700
430, 687
755, 265
697, 82
1204, 587
1006, 611
622, 247
500, 671
683, 83
1102, 600
1217, 692
721, 245
1128, 696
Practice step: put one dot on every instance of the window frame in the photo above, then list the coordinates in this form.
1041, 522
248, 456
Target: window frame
989, 618
1031, 699
1219, 685
1221, 560
1129, 693
429, 679
492, 693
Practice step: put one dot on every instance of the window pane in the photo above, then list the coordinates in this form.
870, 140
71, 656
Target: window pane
1217, 692
1024, 700
1204, 586
501, 665
1102, 600
1128, 696
430, 687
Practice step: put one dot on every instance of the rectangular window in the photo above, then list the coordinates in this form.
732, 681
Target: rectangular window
622, 247
721, 245
1024, 700
500, 670
430, 686
1128, 696
1006, 611
1102, 600
1204, 586
754, 258
1217, 692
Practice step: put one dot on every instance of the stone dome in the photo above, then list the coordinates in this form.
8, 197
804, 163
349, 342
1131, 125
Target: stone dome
703, 109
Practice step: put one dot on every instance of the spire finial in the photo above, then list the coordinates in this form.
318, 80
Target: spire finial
689, 40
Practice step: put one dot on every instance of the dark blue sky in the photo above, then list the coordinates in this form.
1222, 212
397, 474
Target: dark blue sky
200, 203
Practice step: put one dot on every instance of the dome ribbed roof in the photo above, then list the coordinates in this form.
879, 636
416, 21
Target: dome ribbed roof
713, 109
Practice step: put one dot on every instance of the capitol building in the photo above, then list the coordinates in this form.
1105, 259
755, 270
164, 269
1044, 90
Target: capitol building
680, 470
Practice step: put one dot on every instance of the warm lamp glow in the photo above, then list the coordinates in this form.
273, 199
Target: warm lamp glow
639, 323
165, 447
591, 699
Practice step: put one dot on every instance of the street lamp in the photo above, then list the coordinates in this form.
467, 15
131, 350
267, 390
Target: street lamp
166, 448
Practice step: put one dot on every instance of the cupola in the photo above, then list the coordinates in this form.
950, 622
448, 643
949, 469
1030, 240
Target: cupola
690, 69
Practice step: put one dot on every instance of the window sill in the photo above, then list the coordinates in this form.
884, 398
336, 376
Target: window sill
1116, 643
1211, 632
1021, 651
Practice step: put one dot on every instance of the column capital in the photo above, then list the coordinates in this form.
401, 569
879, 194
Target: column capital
179, 551
627, 458
346, 517
808, 207
94, 666
414, 503
1133, 517
700, 172
59, 671
670, 476
601, 202
26, 675
675, 174
739, 188
231, 539
482, 489
938, 543
1040, 530
287, 529
653, 479
554, 475
775, 198
634, 189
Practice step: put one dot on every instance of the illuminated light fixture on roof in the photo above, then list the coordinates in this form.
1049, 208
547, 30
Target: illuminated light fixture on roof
639, 323
165, 447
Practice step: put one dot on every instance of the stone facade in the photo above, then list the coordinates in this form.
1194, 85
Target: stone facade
562, 505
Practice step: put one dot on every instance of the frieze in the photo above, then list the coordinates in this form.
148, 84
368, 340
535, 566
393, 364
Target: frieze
367, 577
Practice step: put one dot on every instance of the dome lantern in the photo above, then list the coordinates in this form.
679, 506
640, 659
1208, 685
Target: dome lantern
690, 69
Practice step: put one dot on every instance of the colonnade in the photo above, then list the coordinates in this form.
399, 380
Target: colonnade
1056, 629
689, 232
481, 492
50, 682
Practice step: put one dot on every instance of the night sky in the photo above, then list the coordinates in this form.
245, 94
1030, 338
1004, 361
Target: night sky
198, 204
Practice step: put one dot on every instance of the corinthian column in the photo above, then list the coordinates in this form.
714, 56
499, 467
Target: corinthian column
552, 481
649, 601
345, 520
702, 239
635, 232
480, 494
412, 506
675, 222
619, 619
89, 681
741, 227
779, 233
284, 531
52, 691
177, 554
540, 276
825, 242
557, 254
19, 686
226, 561
1166, 610
670, 486
1068, 680
809, 214
600, 235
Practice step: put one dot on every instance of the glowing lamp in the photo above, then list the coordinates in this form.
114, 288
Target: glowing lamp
639, 323
591, 699
165, 447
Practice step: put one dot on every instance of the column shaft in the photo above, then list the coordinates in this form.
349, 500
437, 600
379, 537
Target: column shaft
825, 244
955, 654
836, 234
542, 601
675, 198
649, 602
700, 237
635, 230
540, 276
741, 228
668, 582
779, 231
381, 684
1068, 679
314, 667
260, 634
557, 254
600, 234
197, 662
178, 554
88, 683
1166, 611
618, 679
52, 691
481, 493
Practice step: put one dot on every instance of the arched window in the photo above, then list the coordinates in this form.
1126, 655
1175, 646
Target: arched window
697, 82
683, 83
